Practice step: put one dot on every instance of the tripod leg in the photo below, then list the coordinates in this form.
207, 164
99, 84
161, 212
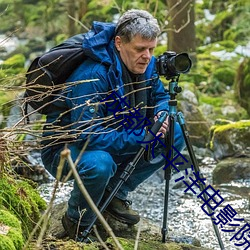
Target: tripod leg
169, 153
128, 170
124, 176
181, 120
164, 229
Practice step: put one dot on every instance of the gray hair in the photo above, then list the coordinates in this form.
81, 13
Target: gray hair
137, 22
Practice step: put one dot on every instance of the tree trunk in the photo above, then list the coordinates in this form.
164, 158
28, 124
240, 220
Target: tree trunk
181, 27
83, 8
71, 6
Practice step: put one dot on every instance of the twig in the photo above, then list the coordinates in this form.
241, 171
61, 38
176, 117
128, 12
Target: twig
77, 21
99, 238
137, 236
66, 154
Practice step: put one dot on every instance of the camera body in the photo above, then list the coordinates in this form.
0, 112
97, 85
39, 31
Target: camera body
171, 65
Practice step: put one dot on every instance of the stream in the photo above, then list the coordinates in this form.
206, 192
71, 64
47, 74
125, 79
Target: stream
186, 219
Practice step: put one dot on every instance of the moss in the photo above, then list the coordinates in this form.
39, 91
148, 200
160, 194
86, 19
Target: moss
219, 103
9, 219
65, 245
16, 61
221, 122
21, 199
60, 38
229, 45
220, 132
174, 246
214, 101
225, 75
6, 243
13, 71
160, 49
13, 239
235, 125
16, 237
128, 244
220, 24
6, 96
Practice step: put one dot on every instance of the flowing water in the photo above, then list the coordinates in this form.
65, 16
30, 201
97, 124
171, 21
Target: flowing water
185, 214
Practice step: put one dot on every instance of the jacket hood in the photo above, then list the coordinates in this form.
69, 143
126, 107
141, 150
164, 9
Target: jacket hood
98, 43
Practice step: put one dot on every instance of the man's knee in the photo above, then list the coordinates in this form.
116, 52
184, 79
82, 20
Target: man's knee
97, 165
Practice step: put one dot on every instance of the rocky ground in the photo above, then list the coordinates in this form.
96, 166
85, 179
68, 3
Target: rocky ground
149, 236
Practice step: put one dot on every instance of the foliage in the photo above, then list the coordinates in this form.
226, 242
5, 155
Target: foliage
12, 69
224, 75
228, 23
218, 104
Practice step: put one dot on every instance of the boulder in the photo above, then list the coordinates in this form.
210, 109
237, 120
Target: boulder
230, 139
231, 169
197, 125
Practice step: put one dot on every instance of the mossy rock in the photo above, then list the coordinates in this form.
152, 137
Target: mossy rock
128, 244
231, 139
11, 237
22, 200
219, 107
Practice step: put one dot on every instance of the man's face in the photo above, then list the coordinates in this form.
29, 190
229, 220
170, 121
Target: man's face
137, 53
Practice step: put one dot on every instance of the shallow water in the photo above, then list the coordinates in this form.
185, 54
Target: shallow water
185, 215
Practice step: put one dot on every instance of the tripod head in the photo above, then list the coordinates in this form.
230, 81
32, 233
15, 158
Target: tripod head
174, 89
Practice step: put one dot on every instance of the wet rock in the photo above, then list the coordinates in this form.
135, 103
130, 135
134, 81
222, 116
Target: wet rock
231, 169
30, 167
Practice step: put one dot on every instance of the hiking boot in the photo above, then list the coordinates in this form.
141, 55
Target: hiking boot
75, 231
121, 211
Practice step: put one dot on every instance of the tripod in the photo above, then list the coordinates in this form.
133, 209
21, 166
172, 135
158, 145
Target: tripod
127, 171
169, 140
173, 90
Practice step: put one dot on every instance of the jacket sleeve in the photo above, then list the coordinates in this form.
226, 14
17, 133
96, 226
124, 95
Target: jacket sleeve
89, 121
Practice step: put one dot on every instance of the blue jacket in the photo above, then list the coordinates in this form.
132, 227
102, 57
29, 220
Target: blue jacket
89, 117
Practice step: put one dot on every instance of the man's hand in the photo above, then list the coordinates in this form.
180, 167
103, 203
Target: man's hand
165, 126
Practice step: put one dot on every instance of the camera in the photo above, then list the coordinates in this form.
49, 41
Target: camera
171, 65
